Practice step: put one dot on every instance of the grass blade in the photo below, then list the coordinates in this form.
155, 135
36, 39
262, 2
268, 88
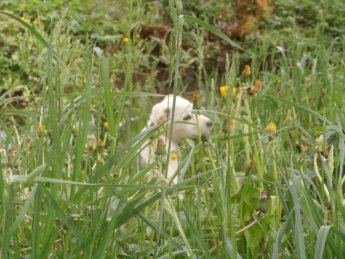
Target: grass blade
211, 29
7, 214
84, 125
321, 241
107, 91
63, 217
172, 211
162, 232
298, 229
36, 233
24, 210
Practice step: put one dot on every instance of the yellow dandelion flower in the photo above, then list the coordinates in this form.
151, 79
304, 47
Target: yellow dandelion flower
125, 40
173, 156
106, 125
223, 89
196, 99
271, 127
196, 96
24, 19
247, 70
40, 128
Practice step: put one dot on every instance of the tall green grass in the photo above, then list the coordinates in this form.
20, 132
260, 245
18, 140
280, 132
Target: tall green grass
76, 187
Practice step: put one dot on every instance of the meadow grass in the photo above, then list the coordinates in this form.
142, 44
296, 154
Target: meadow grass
267, 182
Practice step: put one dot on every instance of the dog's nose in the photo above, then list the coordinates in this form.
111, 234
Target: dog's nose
209, 124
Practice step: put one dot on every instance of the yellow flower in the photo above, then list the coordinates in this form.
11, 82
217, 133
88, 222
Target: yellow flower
247, 70
173, 155
125, 40
35, 21
234, 91
106, 125
271, 127
196, 96
40, 128
223, 89
24, 19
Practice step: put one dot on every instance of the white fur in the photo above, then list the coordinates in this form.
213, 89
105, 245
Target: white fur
186, 124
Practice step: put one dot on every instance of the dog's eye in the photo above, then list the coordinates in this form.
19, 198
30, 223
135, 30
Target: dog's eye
187, 117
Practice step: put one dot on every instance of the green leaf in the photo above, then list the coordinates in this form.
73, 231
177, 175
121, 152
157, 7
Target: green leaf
321, 241
322, 236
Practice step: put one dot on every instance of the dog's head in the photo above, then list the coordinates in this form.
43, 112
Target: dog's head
187, 122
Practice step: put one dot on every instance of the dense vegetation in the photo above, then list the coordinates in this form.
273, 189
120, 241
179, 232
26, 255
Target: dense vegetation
77, 82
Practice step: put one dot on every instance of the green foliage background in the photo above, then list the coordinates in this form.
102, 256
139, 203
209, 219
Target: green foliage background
74, 97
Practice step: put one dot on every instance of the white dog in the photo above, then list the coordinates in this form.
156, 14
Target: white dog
187, 123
